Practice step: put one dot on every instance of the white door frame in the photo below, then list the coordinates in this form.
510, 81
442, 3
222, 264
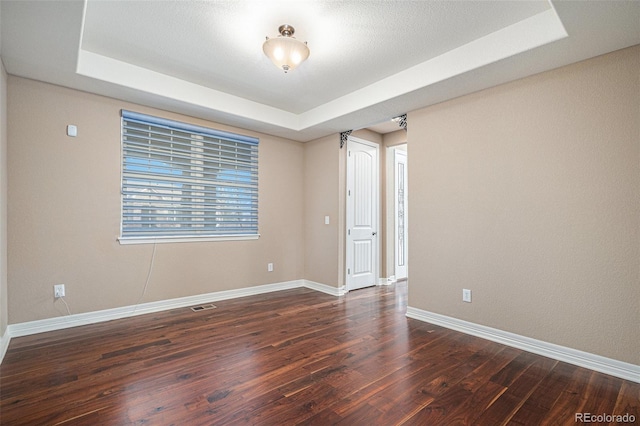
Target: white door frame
350, 215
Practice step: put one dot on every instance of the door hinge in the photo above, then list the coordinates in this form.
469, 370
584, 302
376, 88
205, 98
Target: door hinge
348, 231
348, 271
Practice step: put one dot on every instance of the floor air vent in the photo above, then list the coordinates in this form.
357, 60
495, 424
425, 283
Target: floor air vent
203, 307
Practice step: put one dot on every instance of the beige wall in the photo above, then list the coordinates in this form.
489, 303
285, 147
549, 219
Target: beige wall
321, 198
64, 213
398, 137
529, 195
3, 202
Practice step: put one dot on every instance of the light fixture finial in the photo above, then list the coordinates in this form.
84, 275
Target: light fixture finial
286, 30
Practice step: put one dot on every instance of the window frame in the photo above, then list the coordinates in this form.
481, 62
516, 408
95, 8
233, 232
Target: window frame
247, 142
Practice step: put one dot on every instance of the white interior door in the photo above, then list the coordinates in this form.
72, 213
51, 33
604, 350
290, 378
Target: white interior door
362, 214
401, 224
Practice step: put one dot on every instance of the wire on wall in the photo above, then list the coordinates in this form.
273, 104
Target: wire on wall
146, 284
65, 304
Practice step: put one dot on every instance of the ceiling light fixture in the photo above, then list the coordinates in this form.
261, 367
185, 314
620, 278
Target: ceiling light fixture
285, 51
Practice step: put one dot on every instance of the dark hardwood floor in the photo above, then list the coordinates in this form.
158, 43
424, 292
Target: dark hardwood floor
291, 357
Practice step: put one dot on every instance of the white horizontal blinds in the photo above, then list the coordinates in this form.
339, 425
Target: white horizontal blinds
182, 181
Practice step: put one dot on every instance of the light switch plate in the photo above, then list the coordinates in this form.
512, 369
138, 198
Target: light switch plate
72, 131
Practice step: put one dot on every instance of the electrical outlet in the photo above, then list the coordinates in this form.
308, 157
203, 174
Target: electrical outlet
466, 295
58, 290
270, 267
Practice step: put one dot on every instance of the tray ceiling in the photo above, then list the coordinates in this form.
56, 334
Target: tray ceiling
369, 61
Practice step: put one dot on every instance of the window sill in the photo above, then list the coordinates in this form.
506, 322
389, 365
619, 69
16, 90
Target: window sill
161, 240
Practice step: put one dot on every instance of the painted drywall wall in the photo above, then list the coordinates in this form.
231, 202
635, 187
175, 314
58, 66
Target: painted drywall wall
321, 181
64, 213
398, 137
529, 195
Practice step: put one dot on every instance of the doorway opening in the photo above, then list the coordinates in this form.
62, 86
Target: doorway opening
378, 253
399, 219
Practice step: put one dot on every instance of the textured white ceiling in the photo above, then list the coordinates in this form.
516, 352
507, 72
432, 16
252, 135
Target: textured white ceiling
370, 60
353, 44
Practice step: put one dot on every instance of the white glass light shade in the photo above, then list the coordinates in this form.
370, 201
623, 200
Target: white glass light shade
285, 51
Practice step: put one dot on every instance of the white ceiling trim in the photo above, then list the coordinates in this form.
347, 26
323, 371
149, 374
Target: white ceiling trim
522, 36
538, 30
154, 83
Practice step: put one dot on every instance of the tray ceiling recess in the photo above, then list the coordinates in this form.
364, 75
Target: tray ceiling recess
369, 61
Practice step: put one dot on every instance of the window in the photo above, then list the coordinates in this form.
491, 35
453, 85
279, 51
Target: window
182, 182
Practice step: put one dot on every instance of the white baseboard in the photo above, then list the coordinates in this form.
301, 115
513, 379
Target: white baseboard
333, 291
583, 359
588, 360
58, 323
387, 281
68, 321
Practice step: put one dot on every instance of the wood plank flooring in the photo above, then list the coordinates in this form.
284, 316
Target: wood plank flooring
293, 357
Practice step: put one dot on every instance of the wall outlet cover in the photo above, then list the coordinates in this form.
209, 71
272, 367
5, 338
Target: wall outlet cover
58, 290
